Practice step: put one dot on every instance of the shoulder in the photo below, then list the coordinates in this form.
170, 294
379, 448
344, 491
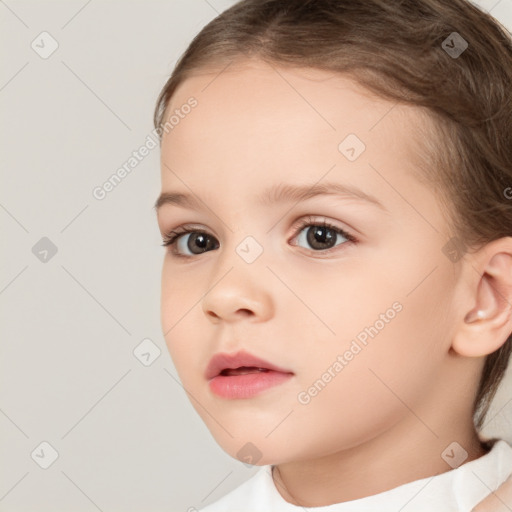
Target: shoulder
248, 495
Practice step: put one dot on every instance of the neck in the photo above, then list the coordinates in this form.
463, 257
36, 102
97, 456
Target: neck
398, 456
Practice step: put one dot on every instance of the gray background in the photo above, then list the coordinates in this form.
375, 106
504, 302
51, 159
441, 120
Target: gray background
127, 437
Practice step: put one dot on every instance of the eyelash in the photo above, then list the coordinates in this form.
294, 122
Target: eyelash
171, 238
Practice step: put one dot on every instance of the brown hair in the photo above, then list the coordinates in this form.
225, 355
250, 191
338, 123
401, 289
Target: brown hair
400, 50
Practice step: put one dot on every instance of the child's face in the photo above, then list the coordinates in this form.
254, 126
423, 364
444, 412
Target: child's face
297, 305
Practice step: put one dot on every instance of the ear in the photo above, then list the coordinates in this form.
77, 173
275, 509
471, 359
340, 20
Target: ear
487, 322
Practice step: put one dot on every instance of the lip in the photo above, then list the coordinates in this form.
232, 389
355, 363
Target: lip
222, 360
243, 385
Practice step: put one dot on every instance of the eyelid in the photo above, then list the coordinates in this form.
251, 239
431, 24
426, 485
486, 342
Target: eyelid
303, 222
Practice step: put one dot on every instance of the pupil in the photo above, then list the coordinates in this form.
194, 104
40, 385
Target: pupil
319, 237
198, 241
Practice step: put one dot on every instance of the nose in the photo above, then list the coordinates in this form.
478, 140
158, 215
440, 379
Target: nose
237, 295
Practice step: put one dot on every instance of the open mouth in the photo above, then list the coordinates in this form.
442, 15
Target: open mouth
242, 370
242, 375
246, 381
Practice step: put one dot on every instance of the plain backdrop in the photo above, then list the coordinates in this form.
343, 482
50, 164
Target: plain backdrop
90, 419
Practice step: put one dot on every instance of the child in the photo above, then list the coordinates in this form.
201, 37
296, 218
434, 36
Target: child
337, 210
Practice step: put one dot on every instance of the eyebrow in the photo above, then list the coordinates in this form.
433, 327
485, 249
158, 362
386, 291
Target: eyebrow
278, 194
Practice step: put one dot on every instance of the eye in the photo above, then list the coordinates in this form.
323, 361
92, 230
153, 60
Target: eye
199, 241
321, 236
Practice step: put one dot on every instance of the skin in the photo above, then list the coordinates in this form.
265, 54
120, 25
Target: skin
387, 417
498, 501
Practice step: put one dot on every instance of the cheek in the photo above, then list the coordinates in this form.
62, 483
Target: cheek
392, 336
179, 294
356, 301
179, 303
376, 389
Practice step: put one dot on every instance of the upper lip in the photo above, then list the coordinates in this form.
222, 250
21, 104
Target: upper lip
222, 361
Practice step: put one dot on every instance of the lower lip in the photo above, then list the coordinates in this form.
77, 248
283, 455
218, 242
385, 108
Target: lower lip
248, 385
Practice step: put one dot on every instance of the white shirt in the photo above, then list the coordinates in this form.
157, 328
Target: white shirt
456, 490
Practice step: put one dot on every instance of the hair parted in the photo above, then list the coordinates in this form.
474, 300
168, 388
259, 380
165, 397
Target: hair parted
394, 49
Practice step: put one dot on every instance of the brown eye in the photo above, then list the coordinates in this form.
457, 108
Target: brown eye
197, 243
321, 235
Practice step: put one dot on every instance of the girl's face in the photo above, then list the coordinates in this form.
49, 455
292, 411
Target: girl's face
363, 320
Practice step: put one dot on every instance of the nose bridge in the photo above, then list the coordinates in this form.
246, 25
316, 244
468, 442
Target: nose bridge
238, 283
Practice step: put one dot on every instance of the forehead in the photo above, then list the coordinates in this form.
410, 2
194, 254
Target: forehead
263, 98
255, 122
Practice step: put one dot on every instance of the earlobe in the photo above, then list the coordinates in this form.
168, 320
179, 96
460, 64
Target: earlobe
488, 324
